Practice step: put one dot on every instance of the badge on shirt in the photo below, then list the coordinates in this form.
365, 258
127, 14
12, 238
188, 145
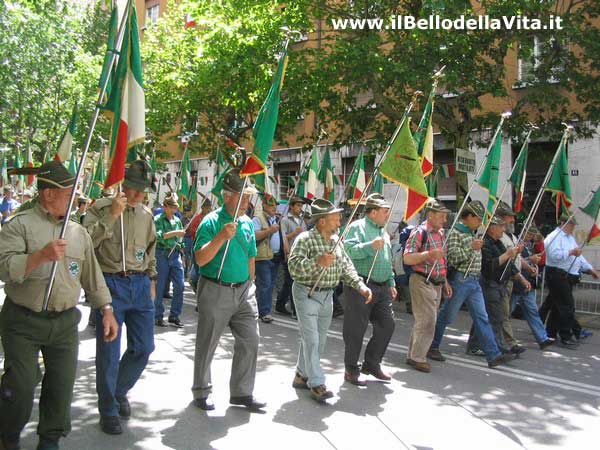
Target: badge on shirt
139, 254
74, 268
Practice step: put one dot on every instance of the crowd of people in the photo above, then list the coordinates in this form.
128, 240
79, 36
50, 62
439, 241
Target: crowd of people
127, 257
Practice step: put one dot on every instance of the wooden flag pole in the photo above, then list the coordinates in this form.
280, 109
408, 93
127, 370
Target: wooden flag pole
88, 138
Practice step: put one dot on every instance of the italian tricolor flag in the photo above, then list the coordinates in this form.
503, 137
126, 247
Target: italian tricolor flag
326, 177
592, 209
424, 136
518, 176
126, 103
313, 175
63, 153
29, 163
358, 179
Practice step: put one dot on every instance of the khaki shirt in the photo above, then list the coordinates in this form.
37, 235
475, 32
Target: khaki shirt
139, 232
30, 231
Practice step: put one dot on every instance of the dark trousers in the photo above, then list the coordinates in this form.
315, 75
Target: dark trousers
24, 335
357, 316
116, 375
285, 294
561, 317
494, 294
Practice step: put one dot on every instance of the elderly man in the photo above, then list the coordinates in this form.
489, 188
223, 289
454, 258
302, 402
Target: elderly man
494, 260
291, 226
169, 233
564, 265
28, 247
464, 255
269, 254
424, 252
368, 244
131, 290
8, 205
226, 298
311, 254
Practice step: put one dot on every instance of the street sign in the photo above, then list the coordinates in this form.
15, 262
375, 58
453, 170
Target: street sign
465, 161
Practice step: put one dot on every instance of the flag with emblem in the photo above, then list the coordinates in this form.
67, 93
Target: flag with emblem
402, 166
63, 153
358, 179
266, 122
592, 209
126, 101
559, 183
518, 176
326, 177
489, 176
424, 136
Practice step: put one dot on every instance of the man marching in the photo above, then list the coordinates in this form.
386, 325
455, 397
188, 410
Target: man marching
132, 291
227, 298
368, 245
28, 247
310, 255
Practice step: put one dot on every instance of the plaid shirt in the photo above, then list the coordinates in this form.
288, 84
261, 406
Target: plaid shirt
358, 246
460, 251
433, 239
302, 263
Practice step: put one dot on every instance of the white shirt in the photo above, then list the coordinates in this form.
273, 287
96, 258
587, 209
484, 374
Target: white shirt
557, 253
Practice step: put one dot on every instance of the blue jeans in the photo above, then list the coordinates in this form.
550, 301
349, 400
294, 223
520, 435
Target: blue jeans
190, 258
132, 305
468, 290
168, 268
530, 313
314, 318
266, 278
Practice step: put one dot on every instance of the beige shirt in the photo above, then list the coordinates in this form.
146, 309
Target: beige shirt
139, 232
30, 231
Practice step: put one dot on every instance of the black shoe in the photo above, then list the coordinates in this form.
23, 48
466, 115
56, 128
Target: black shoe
502, 359
517, 349
110, 424
167, 295
204, 403
10, 442
248, 401
176, 322
160, 323
124, 408
47, 444
547, 343
568, 343
281, 310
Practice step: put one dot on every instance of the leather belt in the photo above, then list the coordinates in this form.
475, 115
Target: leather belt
127, 273
318, 288
223, 283
431, 280
376, 283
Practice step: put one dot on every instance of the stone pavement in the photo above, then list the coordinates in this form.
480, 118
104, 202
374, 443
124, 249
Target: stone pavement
546, 400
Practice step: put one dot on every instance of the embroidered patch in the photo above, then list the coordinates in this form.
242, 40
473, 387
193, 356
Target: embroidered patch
139, 254
74, 268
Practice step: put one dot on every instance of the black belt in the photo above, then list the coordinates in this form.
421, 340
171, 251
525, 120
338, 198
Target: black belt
222, 283
376, 283
431, 280
318, 288
125, 274
31, 312
556, 270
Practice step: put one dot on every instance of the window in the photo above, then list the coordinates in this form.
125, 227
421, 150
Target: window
531, 59
152, 13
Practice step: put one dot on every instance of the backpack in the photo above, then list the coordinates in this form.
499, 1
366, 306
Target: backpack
403, 271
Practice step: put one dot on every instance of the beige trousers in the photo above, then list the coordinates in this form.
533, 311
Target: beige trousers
425, 303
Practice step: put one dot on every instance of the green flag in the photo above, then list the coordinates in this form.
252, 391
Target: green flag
73, 163
259, 181
110, 48
3, 171
432, 183
98, 179
266, 122
377, 186
326, 177
18, 165
218, 187
185, 179
559, 180
402, 166
312, 175
518, 176
424, 135
489, 177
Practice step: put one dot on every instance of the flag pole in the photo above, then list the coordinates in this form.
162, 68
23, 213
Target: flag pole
86, 147
499, 198
503, 117
387, 222
538, 199
415, 95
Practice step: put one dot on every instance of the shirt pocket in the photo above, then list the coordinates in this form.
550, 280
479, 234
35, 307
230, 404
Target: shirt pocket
137, 250
73, 262
42, 272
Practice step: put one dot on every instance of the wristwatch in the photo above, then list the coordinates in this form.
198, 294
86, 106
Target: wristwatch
106, 308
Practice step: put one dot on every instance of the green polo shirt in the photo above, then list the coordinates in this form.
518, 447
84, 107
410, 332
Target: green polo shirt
241, 248
163, 226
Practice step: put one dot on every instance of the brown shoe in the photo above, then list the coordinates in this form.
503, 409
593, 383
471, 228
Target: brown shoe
435, 354
420, 366
353, 378
377, 373
320, 393
300, 382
